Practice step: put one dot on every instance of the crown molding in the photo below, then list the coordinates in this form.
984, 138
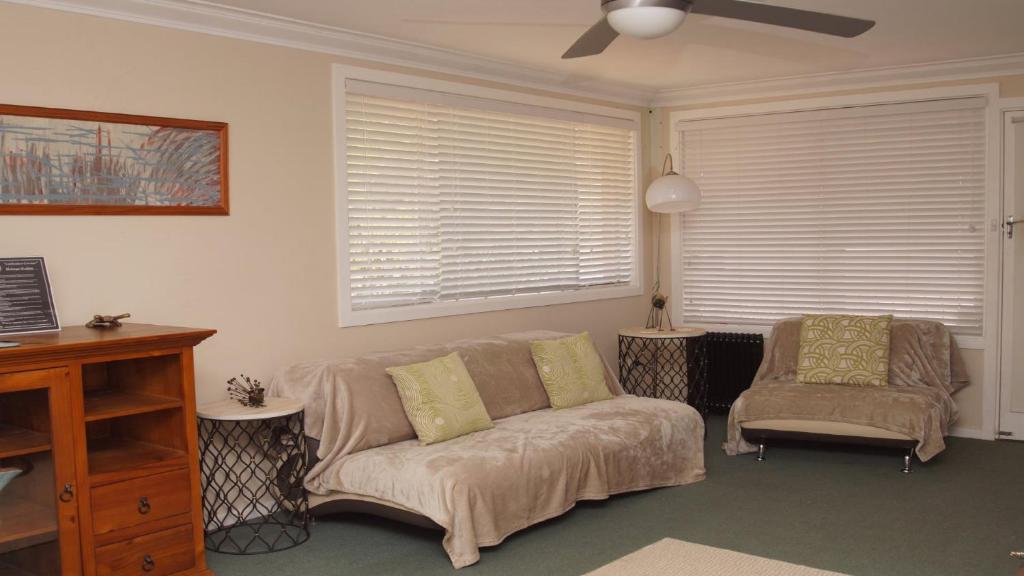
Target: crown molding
949, 71
210, 18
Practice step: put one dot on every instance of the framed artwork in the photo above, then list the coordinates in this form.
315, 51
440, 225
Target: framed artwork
55, 161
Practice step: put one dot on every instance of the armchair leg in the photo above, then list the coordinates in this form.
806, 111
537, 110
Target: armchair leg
761, 449
908, 460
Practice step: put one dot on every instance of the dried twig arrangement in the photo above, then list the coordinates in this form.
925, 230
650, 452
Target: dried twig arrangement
248, 393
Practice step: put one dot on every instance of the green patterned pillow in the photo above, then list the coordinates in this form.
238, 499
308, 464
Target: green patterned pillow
838, 349
571, 370
440, 399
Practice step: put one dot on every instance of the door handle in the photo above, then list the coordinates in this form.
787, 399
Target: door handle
68, 493
1009, 224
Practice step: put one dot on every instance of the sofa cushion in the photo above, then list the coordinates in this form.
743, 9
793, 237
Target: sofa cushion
921, 353
844, 349
503, 370
353, 404
919, 412
825, 428
571, 370
440, 399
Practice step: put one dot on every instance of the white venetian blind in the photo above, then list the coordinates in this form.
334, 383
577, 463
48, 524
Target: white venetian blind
867, 210
453, 198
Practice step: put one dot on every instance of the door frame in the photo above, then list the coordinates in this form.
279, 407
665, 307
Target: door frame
1007, 107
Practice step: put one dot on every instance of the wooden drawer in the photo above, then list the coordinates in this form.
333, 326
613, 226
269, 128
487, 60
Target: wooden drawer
29, 379
134, 502
165, 552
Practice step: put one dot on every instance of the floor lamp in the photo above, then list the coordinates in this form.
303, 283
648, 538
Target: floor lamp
671, 193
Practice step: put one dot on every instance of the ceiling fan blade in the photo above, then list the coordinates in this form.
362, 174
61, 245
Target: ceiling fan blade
780, 16
446, 22
593, 41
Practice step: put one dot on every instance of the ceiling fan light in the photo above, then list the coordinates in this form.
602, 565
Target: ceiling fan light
646, 21
673, 193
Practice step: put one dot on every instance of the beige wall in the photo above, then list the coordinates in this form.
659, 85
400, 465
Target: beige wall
970, 399
264, 277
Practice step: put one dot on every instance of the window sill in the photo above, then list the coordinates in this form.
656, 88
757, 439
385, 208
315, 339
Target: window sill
350, 318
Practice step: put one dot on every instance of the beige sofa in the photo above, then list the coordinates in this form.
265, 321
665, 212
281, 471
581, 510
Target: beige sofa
533, 465
914, 412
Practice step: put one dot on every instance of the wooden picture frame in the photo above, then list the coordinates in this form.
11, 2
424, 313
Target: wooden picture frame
75, 162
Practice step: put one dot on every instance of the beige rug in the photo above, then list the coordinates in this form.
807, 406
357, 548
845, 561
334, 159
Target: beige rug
670, 557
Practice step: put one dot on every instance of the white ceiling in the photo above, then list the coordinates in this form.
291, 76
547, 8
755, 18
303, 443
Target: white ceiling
706, 50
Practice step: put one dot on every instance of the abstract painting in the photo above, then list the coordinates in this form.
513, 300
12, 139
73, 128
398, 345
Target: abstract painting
55, 161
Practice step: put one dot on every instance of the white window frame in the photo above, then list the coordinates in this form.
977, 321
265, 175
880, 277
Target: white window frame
992, 190
348, 317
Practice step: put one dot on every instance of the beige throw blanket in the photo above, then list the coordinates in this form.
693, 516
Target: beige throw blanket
925, 370
533, 465
482, 487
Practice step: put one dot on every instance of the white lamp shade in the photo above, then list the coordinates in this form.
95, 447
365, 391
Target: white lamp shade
646, 21
673, 193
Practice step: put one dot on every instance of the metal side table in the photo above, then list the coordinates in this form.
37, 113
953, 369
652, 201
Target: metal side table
253, 463
667, 364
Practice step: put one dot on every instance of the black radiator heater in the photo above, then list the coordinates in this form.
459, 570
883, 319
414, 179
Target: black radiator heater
732, 360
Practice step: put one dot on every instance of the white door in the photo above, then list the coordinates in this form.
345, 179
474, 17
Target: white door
1011, 401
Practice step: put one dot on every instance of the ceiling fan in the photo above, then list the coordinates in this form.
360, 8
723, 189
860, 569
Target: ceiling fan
655, 18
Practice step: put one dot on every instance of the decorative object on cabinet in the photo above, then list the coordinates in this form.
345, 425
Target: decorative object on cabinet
101, 321
668, 364
106, 421
26, 302
264, 449
249, 393
57, 161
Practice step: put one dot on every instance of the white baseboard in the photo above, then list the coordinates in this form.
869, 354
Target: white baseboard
970, 433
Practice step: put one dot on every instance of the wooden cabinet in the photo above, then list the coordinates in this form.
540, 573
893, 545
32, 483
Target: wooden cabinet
99, 465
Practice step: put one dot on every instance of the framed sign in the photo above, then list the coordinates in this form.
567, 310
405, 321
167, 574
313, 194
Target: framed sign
26, 302
56, 161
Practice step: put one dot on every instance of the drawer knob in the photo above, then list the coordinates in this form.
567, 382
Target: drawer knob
148, 564
144, 506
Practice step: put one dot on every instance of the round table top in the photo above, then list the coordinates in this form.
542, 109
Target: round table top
233, 410
655, 333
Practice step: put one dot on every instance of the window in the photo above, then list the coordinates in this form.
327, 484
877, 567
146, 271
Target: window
862, 210
455, 203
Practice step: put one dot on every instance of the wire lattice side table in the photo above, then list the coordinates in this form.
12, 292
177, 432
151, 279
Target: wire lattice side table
253, 463
669, 364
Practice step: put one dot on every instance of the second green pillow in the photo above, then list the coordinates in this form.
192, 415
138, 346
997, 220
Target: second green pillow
571, 370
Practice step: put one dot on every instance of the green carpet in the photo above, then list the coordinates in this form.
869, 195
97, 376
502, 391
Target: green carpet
842, 509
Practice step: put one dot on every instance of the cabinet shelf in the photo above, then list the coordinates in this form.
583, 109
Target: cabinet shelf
114, 459
17, 441
105, 404
24, 524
